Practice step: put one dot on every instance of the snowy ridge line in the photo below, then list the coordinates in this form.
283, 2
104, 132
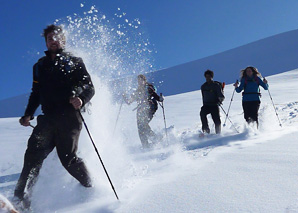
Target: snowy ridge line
271, 55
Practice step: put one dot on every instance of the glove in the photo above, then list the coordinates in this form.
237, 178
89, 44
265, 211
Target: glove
236, 84
125, 99
219, 103
25, 120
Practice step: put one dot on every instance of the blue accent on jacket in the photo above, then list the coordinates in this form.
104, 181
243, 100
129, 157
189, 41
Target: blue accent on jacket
251, 89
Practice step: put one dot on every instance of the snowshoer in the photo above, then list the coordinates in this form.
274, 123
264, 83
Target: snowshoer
61, 85
146, 98
212, 93
249, 83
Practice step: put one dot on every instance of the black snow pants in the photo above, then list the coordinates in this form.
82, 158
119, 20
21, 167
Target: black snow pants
144, 116
214, 110
62, 132
251, 109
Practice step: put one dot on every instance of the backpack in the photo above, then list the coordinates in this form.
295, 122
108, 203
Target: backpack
36, 69
221, 84
152, 101
150, 86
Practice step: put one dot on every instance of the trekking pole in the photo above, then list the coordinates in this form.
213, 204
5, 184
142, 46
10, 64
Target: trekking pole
229, 119
118, 115
98, 154
230, 105
274, 107
31, 126
164, 118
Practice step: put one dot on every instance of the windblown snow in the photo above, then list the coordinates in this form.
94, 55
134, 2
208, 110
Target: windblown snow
250, 171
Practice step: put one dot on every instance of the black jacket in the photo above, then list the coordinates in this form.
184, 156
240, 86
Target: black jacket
212, 94
54, 83
145, 96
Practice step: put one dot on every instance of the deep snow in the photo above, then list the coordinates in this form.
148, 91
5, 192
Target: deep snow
253, 171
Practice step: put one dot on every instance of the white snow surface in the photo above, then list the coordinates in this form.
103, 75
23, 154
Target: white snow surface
251, 171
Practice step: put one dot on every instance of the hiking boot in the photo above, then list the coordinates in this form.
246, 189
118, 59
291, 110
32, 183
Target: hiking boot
22, 204
206, 130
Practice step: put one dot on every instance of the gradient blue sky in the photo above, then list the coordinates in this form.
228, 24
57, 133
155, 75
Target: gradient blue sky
182, 30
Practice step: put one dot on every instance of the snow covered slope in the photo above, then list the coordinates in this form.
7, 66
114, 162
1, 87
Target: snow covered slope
271, 55
250, 171
15, 106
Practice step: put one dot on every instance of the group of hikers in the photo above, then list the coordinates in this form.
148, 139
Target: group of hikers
213, 96
62, 86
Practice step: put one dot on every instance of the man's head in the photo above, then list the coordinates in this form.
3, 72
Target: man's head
209, 75
142, 80
55, 38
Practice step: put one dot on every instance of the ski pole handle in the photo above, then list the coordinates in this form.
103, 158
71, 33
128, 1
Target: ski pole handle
236, 83
161, 98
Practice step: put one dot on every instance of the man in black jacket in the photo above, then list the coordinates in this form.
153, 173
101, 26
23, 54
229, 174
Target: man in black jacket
61, 85
212, 97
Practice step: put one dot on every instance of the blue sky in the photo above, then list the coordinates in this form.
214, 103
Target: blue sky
181, 30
